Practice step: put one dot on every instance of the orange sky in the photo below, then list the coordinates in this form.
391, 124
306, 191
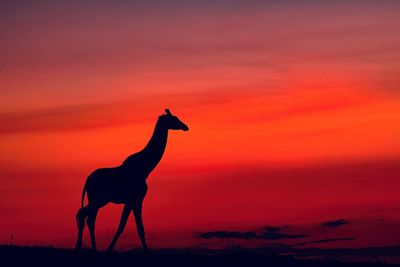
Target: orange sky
294, 103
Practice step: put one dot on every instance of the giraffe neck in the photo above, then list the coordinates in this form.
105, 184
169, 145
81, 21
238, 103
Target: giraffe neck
155, 148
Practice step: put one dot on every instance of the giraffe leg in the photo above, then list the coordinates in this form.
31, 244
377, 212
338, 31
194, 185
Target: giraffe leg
124, 218
91, 221
80, 219
137, 212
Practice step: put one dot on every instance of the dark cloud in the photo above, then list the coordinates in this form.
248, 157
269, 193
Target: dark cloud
275, 233
278, 236
335, 223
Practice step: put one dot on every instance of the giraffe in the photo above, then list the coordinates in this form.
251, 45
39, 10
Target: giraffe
125, 184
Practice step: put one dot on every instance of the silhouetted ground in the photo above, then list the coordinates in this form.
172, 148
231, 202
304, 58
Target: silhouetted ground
45, 256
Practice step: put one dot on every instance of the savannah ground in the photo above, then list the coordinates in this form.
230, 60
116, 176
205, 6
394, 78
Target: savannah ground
48, 256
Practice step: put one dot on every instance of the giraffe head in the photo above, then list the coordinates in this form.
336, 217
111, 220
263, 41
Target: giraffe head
172, 122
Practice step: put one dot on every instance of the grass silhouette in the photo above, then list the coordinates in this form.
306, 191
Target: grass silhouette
49, 256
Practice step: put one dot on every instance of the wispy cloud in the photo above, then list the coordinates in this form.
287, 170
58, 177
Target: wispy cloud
67, 118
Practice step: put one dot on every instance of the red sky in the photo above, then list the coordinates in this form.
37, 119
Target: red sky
294, 111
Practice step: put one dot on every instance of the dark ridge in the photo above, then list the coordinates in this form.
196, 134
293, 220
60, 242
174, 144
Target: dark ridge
228, 234
42, 256
328, 240
271, 233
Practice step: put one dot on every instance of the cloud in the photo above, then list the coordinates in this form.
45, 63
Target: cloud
62, 118
335, 223
275, 233
278, 236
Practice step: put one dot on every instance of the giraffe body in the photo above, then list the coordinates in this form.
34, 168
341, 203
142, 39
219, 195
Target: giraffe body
125, 184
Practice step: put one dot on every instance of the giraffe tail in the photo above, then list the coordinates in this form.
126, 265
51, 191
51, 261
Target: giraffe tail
83, 195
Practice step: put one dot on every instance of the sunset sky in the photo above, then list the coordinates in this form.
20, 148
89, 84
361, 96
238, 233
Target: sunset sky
293, 109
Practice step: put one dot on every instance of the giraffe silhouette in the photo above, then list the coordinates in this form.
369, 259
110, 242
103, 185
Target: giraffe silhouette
125, 184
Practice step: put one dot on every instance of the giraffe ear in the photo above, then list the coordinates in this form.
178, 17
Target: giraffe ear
167, 112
